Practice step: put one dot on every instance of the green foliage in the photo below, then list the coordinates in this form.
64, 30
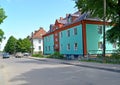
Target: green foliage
39, 54
10, 45
23, 45
96, 9
2, 15
1, 35
56, 55
13, 45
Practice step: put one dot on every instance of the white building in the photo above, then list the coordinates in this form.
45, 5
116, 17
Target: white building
37, 40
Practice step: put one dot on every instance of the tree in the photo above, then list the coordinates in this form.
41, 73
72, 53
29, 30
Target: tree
10, 45
23, 45
95, 8
2, 17
1, 35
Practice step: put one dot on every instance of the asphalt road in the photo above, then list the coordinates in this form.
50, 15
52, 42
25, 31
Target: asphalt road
24, 71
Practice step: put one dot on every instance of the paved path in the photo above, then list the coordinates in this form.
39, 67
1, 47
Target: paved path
108, 67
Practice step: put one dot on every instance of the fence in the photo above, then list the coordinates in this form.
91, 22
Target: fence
112, 56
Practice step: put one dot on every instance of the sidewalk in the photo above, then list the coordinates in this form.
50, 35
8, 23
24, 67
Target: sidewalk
108, 67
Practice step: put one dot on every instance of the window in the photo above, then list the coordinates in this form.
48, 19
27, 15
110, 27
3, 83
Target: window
56, 34
46, 48
114, 45
49, 48
68, 33
68, 46
56, 39
75, 46
40, 48
56, 45
39, 41
61, 35
75, 31
61, 47
100, 45
100, 29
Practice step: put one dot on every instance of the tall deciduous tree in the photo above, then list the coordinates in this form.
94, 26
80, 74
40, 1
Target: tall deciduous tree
23, 45
95, 8
10, 45
2, 17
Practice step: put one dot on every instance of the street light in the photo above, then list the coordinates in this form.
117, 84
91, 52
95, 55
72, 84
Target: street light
104, 46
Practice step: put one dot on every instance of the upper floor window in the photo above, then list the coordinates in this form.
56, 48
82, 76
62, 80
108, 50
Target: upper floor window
75, 31
39, 41
56, 34
68, 33
56, 39
99, 29
61, 34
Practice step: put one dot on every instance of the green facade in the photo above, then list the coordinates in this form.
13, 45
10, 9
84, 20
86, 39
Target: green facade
94, 39
49, 44
71, 40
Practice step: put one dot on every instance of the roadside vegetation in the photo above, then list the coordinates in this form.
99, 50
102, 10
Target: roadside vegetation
55, 55
112, 59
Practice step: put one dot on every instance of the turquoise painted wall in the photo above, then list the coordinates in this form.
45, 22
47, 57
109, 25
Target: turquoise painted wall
64, 40
93, 38
49, 42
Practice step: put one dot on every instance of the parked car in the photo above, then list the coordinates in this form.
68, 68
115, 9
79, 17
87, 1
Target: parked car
6, 55
18, 55
26, 54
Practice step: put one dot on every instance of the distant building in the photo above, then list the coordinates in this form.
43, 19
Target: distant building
37, 40
76, 35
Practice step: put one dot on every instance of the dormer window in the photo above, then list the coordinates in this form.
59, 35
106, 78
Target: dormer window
69, 19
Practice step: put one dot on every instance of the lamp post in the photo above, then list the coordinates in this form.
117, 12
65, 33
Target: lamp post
104, 46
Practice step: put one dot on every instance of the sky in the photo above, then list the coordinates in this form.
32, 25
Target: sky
26, 16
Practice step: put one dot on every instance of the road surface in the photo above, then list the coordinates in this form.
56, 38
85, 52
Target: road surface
24, 71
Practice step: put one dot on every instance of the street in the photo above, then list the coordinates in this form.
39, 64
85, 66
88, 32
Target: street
25, 71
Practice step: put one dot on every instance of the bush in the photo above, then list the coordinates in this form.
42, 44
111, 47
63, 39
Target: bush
56, 55
38, 55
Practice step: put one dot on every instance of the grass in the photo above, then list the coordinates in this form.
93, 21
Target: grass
113, 59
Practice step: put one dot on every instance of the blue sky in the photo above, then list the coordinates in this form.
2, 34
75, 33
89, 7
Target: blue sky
26, 16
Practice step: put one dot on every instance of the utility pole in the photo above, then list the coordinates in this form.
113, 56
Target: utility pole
32, 43
104, 23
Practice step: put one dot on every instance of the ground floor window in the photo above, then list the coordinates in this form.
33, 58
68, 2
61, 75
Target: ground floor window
100, 45
75, 46
68, 46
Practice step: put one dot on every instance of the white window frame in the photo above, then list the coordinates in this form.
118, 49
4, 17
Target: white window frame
75, 31
75, 44
68, 46
68, 33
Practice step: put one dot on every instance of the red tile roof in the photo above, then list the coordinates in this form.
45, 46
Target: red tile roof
39, 33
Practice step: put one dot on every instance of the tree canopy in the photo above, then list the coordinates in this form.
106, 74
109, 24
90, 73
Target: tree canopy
10, 45
96, 9
2, 17
21, 45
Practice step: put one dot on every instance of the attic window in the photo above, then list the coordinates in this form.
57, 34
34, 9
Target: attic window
41, 34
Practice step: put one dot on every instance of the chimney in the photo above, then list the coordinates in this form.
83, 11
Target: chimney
61, 18
67, 15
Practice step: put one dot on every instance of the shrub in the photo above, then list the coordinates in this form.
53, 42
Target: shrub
38, 55
56, 55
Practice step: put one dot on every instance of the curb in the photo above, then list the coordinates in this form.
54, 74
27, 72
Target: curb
112, 69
